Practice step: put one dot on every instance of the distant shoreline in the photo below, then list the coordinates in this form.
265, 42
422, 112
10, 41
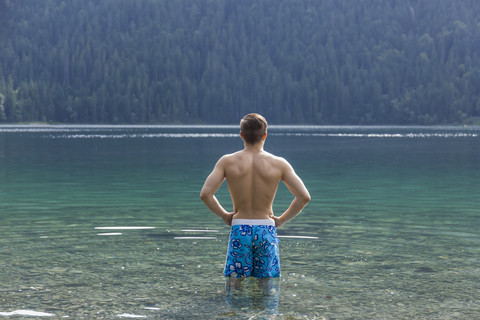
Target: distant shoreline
186, 125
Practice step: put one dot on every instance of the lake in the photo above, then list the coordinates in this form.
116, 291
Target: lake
105, 222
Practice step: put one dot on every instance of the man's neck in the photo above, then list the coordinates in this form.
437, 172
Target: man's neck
254, 147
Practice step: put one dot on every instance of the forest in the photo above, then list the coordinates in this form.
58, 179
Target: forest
212, 61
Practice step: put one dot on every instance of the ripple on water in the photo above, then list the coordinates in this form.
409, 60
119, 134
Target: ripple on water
29, 313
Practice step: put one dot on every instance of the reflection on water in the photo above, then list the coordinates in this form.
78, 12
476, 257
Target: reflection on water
260, 296
107, 228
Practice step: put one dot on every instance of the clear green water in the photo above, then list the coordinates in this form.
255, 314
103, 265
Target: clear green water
394, 223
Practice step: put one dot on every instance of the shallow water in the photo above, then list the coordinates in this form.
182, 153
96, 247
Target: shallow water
104, 222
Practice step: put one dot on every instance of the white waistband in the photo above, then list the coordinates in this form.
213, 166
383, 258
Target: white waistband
253, 222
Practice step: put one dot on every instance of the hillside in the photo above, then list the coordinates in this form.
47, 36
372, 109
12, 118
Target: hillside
211, 61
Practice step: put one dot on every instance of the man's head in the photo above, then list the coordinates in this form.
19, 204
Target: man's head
253, 128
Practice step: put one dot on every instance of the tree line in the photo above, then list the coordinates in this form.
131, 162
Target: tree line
211, 61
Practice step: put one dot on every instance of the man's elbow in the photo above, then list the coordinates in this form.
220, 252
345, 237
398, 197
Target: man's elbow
305, 199
204, 195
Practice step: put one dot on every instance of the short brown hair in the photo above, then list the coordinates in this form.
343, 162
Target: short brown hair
253, 126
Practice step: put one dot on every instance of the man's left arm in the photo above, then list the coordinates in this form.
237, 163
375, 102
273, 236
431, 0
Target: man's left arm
298, 189
210, 187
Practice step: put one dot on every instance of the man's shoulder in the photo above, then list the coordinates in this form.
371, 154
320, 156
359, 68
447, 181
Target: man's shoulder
273, 156
229, 157
276, 160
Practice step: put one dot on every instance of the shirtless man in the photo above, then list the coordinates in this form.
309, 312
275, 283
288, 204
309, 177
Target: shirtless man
253, 176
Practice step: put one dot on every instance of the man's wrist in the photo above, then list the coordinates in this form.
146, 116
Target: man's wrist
282, 220
225, 214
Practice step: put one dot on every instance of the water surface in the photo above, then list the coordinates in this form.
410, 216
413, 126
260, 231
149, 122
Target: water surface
104, 222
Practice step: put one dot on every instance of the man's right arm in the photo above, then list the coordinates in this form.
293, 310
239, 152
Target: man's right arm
210, 187
298, 189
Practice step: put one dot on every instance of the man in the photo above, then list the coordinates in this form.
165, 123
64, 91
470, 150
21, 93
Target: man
253, 176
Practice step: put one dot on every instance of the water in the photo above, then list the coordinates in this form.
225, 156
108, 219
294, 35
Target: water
105, 222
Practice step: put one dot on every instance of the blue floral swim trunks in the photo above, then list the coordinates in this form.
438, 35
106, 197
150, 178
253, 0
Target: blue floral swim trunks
253, 249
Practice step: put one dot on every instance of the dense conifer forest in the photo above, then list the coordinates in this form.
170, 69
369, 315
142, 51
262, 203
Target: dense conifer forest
211, 61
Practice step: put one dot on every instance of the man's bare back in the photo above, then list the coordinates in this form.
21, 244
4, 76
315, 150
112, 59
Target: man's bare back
253, 176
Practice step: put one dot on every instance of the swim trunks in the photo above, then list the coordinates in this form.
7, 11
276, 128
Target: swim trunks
253, 249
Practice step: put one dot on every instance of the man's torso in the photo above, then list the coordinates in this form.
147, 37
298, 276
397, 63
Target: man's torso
253, 179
